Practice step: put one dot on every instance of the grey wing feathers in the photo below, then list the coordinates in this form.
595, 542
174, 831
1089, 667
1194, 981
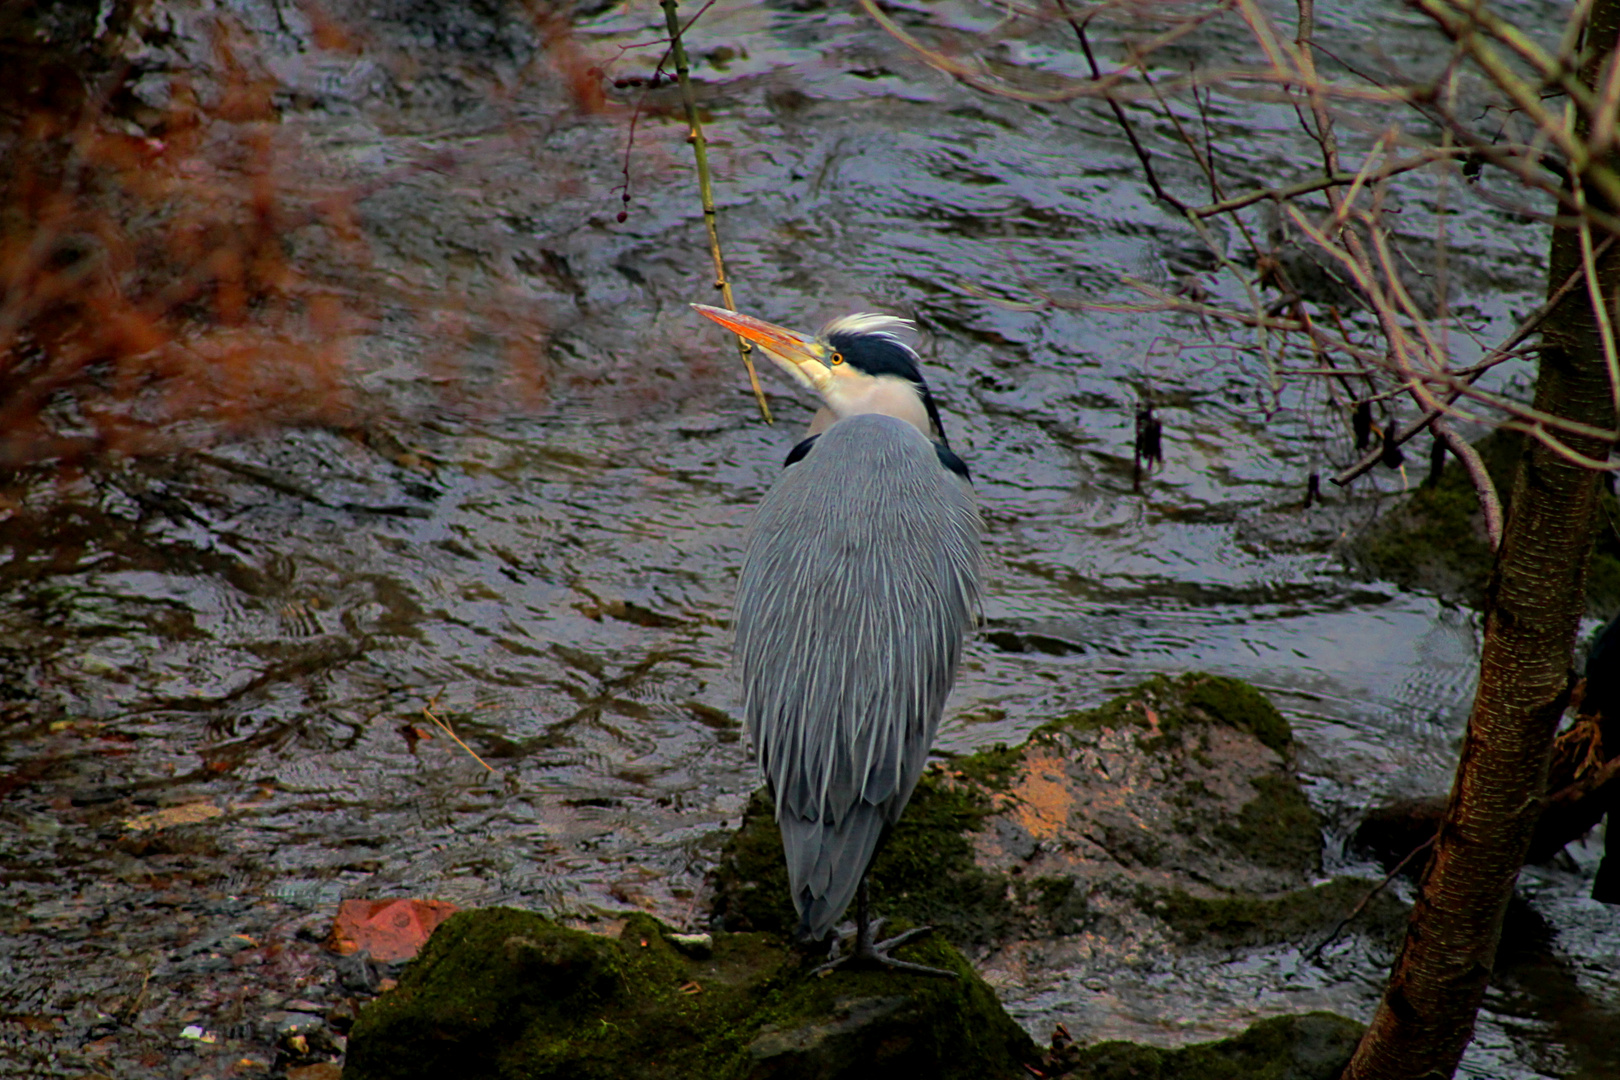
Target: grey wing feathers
860, 582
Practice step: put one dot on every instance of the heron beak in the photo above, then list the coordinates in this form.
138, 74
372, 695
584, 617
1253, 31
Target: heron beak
797, 354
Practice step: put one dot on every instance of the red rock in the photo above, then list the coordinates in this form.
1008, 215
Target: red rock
388, 929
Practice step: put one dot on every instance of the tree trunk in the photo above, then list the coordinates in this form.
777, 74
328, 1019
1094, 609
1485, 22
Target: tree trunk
1532, 611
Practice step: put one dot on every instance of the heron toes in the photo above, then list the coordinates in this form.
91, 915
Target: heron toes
869, 954
878, 954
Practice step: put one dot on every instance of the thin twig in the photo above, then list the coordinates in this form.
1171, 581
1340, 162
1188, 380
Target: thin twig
1142, 156
1462, 23
1326, 138
641, 99
1365, 900
1459, 383
1439, 359
700, 151
1539, 432
1306, 187
1552, 69
1198, 225
427, 711
1495, 356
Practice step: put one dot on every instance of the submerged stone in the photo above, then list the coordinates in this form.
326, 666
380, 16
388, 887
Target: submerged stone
1293, 916
1310, 1046
1435, 540
505, 994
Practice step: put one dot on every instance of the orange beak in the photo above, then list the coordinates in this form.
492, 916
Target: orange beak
799, 355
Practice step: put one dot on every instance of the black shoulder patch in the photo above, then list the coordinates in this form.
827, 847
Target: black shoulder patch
933, 418
802, 449
948, 458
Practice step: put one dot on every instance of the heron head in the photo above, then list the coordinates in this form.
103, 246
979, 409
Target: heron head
857, 364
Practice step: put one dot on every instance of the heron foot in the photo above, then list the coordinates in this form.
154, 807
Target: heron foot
869, 954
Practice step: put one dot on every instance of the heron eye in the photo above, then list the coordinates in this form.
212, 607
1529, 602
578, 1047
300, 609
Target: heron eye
837, 358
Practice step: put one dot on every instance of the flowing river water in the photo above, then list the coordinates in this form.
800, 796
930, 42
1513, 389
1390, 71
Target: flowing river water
533, 527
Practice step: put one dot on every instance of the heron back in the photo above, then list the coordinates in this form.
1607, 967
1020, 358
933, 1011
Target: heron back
859, 585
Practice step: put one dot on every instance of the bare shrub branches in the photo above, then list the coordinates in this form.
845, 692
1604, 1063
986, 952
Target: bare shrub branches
1485, 107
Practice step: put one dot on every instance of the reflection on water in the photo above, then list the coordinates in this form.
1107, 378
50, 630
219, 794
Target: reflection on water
267, 627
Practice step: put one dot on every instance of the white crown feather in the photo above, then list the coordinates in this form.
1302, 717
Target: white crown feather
870, 323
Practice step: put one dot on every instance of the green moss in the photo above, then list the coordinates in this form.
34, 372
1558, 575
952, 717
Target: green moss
1249, 920
1277, 828
466, 979
1435, 539
1236, 703
990, 769
503, 995
1123, 711
1177, 702
924, 874
1312, 1046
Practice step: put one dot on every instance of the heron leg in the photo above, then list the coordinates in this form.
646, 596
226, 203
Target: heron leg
869, 953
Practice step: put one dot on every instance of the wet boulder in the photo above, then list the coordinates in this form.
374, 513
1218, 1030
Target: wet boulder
1434, 540
1311, 1046
505, 994
1168, 818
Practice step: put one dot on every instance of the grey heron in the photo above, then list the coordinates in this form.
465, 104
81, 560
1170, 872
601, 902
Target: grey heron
859, 584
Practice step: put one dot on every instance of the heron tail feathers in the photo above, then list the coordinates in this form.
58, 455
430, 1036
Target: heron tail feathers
826, 863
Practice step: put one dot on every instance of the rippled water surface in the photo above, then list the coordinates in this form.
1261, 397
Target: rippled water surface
266, 627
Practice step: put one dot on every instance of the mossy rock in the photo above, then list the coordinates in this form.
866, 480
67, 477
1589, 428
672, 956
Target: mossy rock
1181, 774
1177, 701
1311, 1046
1294, 916
1278, 828
509, 995
1435, 541
924, 874
1235, 702
1179, 785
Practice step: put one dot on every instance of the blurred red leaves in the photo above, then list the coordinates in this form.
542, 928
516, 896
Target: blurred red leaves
149, 290
183, 273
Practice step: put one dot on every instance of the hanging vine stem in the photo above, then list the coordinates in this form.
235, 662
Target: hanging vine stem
700, 150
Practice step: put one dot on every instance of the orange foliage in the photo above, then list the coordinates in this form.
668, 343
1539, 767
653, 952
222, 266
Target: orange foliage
147, 291
184, 277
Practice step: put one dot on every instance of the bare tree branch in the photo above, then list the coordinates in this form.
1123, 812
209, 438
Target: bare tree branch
1340, 179
1490, 503
1502, 352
